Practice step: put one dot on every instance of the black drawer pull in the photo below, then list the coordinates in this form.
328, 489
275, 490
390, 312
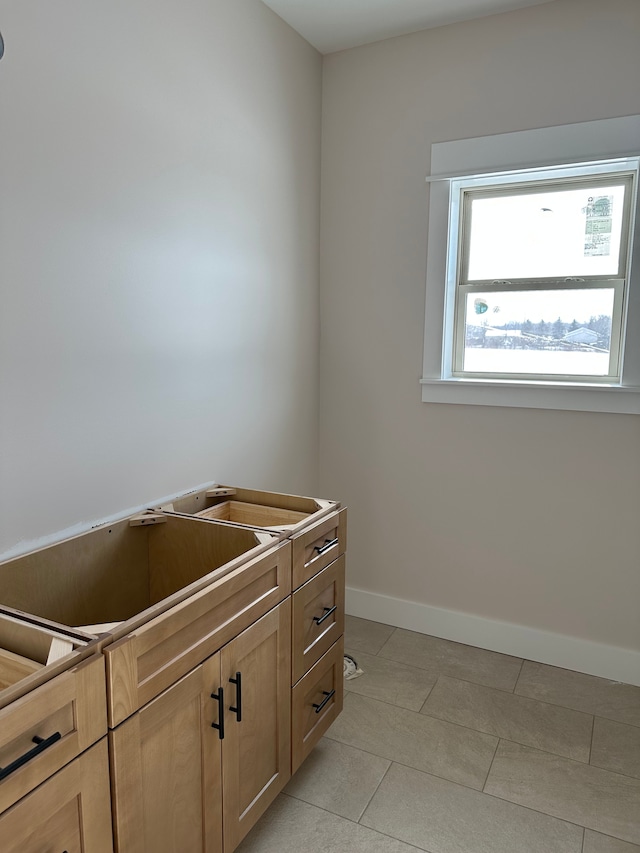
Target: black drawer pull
328, 694
328, 544
327, 612
238, 707
42, 744
219, 697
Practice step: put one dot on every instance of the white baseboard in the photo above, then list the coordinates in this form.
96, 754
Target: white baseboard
611, 662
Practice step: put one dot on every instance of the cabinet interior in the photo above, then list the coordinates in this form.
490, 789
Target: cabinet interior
245, 506
26, 649
115, 572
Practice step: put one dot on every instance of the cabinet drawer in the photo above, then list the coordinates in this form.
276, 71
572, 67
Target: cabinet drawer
47, 728
318, 617
70, 812
318, 546
316, 702
154, 656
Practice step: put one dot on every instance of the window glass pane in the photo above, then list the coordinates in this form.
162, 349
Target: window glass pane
555, 233
555, 332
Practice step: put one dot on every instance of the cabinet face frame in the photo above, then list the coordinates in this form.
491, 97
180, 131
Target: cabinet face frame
71, 811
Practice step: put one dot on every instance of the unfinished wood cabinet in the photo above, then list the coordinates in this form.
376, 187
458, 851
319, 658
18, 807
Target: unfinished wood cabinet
190, 607
69, 812
195, 768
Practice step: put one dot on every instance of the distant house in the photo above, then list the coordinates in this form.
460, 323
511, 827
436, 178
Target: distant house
581, 336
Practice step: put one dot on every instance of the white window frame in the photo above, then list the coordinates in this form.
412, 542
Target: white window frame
560, 151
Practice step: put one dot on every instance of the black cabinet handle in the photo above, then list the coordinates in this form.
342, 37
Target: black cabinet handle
238, 707
328, 544
219, 697
327, 612
328, 694
42, 744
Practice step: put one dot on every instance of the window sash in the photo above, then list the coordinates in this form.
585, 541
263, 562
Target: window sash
616, 346
546, 185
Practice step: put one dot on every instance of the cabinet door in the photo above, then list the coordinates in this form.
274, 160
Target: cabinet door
69, 812
166, 766
256, 754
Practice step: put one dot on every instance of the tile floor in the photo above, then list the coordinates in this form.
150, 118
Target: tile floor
447, 748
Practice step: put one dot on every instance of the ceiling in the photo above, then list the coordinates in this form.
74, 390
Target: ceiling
331, 25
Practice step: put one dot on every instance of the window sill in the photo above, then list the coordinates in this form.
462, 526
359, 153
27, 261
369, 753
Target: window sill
572, 397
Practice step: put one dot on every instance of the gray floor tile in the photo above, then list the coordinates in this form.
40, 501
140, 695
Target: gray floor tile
442, 817
361, 635
389, 681
515, 718
588, 693
338, 778
415, 740
291, 826
616, 747
443, 657
594, 842
598, 799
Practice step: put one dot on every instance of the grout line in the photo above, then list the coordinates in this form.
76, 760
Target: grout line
425, 702
593, 729
518, 678
386, 641
584, 835
486, 778
355, 823
361, 815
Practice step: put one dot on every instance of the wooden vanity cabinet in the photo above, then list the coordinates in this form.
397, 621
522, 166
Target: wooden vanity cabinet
195, 768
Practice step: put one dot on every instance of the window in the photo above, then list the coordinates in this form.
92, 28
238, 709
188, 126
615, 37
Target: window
540, 274
535, 286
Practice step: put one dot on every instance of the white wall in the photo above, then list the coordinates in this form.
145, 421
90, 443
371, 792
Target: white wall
518, 516
159, 204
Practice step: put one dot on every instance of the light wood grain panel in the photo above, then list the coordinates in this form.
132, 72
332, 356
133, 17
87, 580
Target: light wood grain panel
307, 725
184, 550
15, 667
164, 649
310, 603
257, 750
99, 576
312, 549
70, 812
166, 769
72, 704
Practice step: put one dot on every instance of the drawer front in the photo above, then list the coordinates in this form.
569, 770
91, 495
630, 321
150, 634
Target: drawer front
318, 617
316, 702
47, 728
70, 812
318, 546
153, 657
